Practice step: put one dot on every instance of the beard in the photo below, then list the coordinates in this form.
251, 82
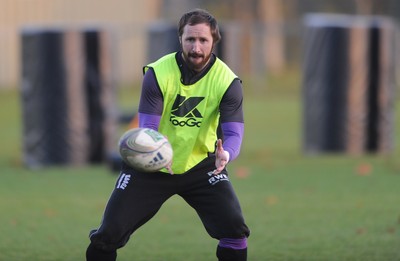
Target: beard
196, 61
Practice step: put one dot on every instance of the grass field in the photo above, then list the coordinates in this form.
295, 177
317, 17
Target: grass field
299, 208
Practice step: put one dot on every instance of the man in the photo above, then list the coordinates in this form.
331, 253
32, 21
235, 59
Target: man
186, 96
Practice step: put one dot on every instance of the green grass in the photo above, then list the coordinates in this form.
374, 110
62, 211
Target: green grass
298, 207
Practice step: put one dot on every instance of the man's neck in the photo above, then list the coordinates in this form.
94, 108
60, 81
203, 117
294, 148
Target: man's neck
188, 75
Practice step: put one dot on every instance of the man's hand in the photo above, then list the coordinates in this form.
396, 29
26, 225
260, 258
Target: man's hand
169, 168
169, 165
222, 158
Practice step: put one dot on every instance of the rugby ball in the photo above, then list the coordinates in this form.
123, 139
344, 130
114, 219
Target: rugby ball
145, 149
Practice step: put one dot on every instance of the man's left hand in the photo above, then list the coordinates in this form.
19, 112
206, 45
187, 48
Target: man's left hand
222, 158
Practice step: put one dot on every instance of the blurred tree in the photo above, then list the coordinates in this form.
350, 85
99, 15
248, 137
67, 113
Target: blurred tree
243, 11
272, 18
364, 6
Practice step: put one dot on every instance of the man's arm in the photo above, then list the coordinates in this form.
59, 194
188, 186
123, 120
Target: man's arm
232, 119
151, 105
233, 135
151, 102
232, 124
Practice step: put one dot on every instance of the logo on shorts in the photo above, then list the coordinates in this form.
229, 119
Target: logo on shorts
123, 181
214, 179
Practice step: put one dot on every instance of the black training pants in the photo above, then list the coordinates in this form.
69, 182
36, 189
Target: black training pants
138, 196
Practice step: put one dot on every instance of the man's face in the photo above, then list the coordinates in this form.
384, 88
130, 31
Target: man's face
197, 45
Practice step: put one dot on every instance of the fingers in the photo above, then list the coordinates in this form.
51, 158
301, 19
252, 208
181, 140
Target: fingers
218, 170
169, 169
222, 158
219, 145
169, 165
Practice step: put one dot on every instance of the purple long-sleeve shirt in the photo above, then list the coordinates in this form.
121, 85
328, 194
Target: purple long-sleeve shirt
231, 111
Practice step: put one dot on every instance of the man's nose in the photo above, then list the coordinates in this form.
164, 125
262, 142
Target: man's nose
196, 46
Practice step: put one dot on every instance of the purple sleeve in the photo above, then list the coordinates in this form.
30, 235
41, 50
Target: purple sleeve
233, 135
232, 119
151, 98
149, 121
151, 102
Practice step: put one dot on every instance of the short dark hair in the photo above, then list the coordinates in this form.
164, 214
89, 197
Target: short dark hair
200, 16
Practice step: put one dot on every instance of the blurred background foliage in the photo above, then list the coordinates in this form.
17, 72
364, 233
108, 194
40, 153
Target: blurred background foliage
263, 37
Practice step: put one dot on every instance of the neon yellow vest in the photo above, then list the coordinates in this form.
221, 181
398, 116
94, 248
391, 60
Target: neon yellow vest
191, 112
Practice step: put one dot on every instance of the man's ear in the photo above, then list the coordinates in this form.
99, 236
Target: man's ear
180, 40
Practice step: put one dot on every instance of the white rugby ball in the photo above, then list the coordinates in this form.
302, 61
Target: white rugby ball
145, 149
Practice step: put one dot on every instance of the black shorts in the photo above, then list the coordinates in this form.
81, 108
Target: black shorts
138, 196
